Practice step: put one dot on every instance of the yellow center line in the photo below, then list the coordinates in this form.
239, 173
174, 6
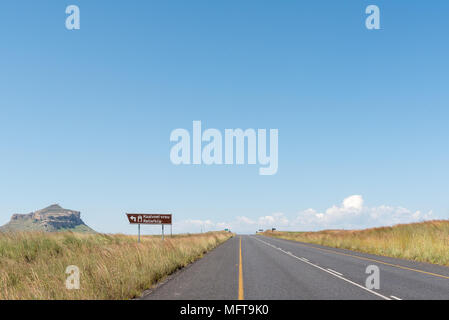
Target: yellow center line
377, 261
241, 296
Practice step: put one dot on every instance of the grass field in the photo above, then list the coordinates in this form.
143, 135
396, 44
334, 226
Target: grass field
425, 242
33, 265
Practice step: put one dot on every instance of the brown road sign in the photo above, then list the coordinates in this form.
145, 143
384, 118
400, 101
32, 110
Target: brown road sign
144, 218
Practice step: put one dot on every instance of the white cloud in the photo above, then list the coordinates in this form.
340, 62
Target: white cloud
245, 220
355, 202
277, 219
350, 214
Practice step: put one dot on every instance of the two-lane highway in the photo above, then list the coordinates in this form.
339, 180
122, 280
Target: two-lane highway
258, 267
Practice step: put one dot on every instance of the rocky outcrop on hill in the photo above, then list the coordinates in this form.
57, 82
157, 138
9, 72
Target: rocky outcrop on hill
50, 219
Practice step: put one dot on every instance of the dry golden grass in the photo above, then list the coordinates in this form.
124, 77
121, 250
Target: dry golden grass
425, 241
33, 265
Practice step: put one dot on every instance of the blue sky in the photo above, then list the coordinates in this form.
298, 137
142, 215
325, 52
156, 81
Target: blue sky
86, 115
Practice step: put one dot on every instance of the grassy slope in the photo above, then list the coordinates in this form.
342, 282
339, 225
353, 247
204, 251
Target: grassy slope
32, 265
29, 225
425, 242
22, 225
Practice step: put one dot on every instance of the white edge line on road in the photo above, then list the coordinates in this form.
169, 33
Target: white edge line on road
396, 298
340, 274
334, 274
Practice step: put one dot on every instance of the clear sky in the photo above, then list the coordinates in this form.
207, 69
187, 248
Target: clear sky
86, 115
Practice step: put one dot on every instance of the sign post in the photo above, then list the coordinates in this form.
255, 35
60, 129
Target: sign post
149, 218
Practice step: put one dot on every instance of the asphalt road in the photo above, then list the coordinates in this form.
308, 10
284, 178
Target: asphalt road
258, 267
